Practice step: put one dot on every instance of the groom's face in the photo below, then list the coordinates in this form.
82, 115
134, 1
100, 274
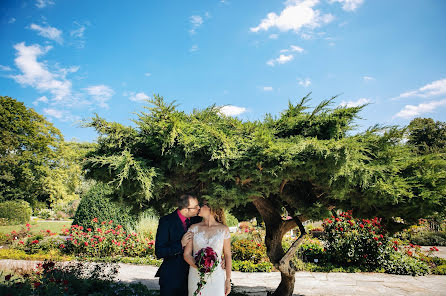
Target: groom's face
193, 208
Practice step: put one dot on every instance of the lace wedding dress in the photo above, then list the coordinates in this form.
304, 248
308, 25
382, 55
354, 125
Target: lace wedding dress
215, 282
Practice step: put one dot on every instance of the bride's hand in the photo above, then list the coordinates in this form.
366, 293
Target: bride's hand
227, 287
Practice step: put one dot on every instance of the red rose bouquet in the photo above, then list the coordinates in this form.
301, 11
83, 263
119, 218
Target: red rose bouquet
206, 260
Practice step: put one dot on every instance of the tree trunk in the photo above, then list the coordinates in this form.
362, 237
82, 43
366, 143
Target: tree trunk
276, 228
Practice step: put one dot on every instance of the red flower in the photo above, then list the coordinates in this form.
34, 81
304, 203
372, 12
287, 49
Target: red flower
395, 248
36, 284
361, 225
337, 220
341, 229
375, 238
81, 227
61, 246
88, 229
95, 220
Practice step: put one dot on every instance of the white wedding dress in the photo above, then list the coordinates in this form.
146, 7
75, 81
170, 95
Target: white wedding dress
215, 282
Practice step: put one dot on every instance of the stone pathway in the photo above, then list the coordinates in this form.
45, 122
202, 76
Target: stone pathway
307, 283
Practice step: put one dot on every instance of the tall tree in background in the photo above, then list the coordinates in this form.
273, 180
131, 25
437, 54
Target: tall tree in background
28, 150
36, 165
302, 162
427, 135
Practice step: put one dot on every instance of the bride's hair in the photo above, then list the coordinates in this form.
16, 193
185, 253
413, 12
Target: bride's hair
218, 213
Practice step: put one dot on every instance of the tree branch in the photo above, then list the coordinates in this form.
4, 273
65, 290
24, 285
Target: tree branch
293, 248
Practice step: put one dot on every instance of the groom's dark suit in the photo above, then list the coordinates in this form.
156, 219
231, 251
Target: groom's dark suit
174, 270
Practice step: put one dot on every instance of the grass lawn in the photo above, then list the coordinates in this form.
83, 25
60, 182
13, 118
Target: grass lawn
37, 227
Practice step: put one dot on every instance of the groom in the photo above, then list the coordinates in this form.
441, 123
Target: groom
171, 238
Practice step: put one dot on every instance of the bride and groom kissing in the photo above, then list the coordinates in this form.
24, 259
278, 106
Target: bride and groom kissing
183, 234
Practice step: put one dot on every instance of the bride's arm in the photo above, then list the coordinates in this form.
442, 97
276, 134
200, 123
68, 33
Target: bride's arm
187, 254
228, 263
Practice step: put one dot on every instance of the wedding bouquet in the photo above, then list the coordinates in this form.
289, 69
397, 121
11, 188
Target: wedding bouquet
206, 260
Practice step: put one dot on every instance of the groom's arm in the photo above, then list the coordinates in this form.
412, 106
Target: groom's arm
163, 246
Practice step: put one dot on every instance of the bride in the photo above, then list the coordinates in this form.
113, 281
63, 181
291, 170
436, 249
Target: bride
211, 232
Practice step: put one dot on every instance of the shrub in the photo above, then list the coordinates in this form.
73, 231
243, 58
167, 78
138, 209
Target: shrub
249, 266
440, 270
356, 242
67, 207
429, 238
146, 226
15, 212
231, 220
398, 263
312, 250
70, 279
45, 214
248, 250
105, 240
97, 204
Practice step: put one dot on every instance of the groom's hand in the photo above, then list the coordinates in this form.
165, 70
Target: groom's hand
186, 238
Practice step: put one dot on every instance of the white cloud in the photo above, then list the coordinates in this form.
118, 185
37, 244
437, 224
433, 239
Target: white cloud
101, 94
368, 78
5, 68
282, 59
193, 48
36, 74
349, 5
410, 111
268, 88
139, 97
78, 34
43, 99
273, 36
43, 3
293, 48
11, 20
305, 82
196, 21
434, 88
148, 74
61, 115
48, 32
360, 102
297, 15
231, 110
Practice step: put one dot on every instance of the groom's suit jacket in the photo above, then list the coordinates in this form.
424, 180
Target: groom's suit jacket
174, 270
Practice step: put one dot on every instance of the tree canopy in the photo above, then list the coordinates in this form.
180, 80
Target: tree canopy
36, 165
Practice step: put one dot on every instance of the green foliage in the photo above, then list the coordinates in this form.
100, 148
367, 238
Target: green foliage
79, 278
15, 212
230, 219
304, 160
248, 250
102, 239
249, 266
440, 270
45, 214
97, 204
312, 250
427, 136
399, 263
146, 226
429, 238
356, 242
28, 152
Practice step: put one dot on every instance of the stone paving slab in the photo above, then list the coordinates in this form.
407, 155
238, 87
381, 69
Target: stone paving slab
307, 283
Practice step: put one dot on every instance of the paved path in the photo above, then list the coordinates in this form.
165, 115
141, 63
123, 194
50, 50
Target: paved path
307, 283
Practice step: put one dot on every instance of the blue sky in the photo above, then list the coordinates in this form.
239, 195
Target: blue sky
71, 59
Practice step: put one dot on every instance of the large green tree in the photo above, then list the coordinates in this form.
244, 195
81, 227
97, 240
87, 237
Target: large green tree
302, 162
28, 150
